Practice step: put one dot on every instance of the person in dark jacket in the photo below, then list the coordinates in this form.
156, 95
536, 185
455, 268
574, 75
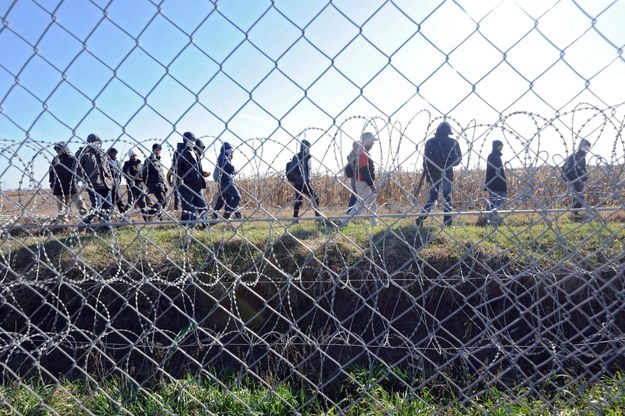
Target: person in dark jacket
64, 182
442, 153
116, 170
227, 194
495, 183
364, 180
90, 192
191, 182
133, 171
154, 175
574, 172
301, 181
97, 172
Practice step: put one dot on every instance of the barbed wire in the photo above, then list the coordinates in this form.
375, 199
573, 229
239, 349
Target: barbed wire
523, 290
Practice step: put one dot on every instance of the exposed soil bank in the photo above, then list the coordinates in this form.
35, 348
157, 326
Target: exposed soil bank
451, 318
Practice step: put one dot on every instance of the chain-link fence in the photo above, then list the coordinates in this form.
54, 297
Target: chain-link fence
244, 271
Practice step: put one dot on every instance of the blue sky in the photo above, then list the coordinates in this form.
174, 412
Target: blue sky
139, 71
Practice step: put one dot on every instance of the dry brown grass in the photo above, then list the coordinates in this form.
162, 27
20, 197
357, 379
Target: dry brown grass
528, 189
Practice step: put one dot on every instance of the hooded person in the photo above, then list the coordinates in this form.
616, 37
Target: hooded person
574, 172
300, 166
441, 154
191, 182
495, 183
228, 195
364, 180
64, 179
154, 176
133, 172
97, 173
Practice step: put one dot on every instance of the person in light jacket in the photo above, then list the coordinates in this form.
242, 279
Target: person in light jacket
116, 199
364, 181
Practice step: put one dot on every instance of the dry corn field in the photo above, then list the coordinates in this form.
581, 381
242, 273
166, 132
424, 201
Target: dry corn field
541, 188
271, 196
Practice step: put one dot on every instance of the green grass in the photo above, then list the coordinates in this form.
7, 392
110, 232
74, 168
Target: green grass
239, 250
225, 253
370, 392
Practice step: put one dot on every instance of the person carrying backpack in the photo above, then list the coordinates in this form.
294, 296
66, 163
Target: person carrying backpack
442, 153
364, 174
298, 174
574, 173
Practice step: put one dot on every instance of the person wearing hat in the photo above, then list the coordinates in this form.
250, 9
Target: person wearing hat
190, 177
300, 166
574, 172
495, 183
133, 171
364, 177
154, 176
228, 195
441, 154
64, 182
99, 178
116, 170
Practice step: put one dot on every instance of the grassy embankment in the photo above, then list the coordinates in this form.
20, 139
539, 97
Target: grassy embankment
521, 241
225, 254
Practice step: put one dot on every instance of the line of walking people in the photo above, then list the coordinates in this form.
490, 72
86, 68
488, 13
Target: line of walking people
442, 154
148, 183
100, 174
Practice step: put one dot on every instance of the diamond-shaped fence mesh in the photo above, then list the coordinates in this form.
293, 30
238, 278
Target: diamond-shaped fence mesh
471, 261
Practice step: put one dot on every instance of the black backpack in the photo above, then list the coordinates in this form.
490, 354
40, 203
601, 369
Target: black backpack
434, 158
349, 170
568, 169
292, 170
